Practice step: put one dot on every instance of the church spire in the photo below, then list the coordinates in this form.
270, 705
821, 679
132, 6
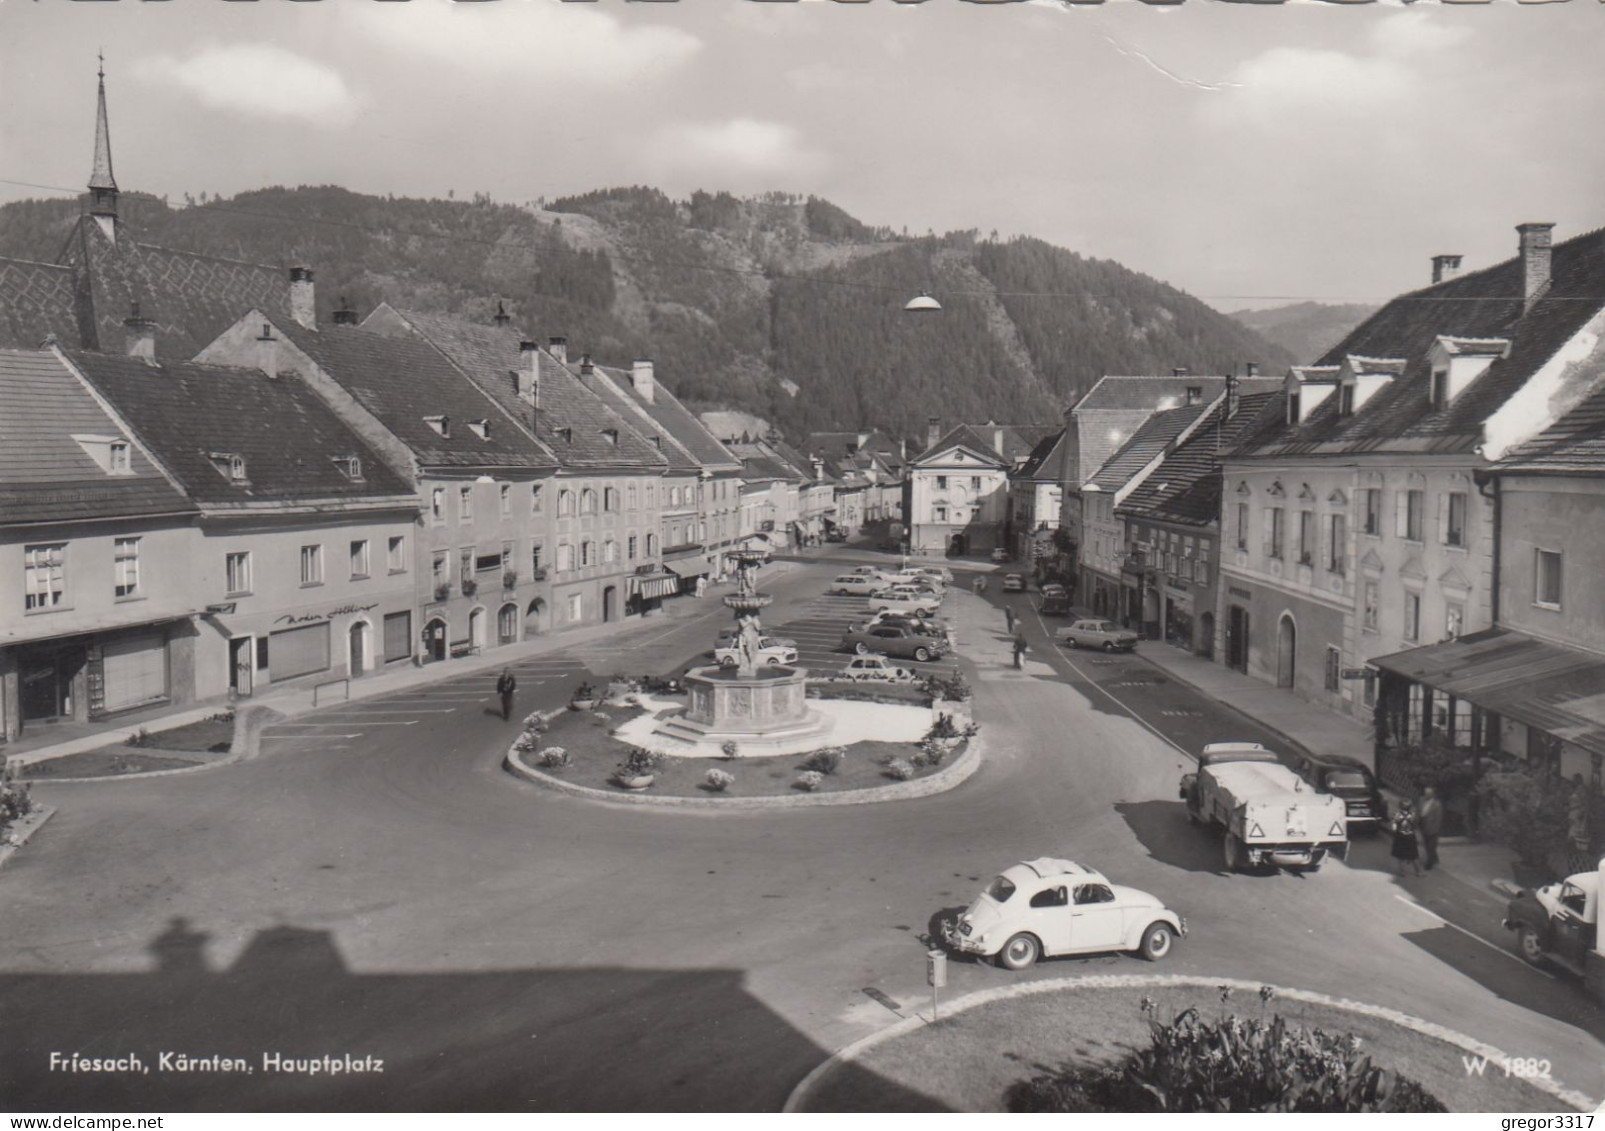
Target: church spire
102, 185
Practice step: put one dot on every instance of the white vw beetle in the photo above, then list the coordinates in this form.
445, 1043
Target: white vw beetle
1051, 907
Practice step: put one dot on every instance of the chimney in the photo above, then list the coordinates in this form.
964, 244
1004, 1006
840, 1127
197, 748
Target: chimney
997, 439
1252, 369
528, 375
267, 352
641, 378
1231, 395
586, 368
502, 318
863, 438
1444, 268
303, 304
141, 336
344, 315
558, 348
933, 432
1195, 394
1535, 250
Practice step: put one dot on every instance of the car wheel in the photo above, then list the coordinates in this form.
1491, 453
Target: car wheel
1233, 853
1020, 952
1108, 645
1156, 941
774, 662
924, 612
728, 662
1531, 945
923, 655
861, 648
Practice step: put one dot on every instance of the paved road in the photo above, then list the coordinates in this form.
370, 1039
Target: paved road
391, 893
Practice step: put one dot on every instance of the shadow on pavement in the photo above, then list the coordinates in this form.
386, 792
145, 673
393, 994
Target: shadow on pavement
1164, 830
527, 1040
1507, 976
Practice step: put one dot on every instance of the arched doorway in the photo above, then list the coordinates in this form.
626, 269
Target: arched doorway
357, 647
507, 624
476, 630
610, 600
1206, 636
435, 640
535, 618
1286, 650
959, 546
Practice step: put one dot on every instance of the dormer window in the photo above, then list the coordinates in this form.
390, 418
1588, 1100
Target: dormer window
611, 435
565, 434
1293, 415
1195, 394
480, 428
441, 424
110, 453
350, 467
1346, 399
117, 457
230, 465
1439, 393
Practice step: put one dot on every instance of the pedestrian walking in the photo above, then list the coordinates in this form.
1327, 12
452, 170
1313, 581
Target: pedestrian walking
1008, 616
1019, 650
505, 686
1405, 850
1431, 825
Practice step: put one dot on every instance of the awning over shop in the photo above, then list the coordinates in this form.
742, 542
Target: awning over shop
694, 553
1558, 690
658, 585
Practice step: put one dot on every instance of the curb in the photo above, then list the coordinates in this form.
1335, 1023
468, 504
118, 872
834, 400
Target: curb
847, 1055
23, 829
249, 722
948, 777
1293, 744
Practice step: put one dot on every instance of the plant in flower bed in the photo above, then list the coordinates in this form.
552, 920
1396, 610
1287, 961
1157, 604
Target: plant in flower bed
553, 758
729, 749
718, 780
15, 801
808, 781
825, 760
1230, 1064
901, 768
638, 763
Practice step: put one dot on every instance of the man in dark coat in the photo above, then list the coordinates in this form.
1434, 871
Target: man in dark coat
1430, 822
1019, 649
505, 686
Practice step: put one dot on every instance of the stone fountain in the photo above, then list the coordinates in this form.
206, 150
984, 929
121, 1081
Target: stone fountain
760, 706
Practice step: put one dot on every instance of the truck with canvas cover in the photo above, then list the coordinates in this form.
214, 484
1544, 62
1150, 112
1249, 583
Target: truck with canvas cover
1265, 812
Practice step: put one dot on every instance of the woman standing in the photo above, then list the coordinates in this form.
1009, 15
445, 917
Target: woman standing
1405, 849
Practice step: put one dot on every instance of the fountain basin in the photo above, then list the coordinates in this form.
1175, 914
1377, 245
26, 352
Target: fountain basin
760, 712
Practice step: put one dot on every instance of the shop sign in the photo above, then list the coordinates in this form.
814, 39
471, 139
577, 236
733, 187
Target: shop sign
314, 618
1245, 594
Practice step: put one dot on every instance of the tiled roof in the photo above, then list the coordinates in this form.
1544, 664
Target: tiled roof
1482, 304
759, 461
1043, 463
1186, 486
289, 439
845, 443
46, 475
1157, 433
402, 381
1574, 443
605, 383
36, 302
1147, 392
572, 422
672, 417
961, 436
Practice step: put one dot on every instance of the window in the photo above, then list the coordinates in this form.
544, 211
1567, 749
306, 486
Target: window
359, 559
941, 483
312, 565
1372, 599
237, 572
440, 570
1093, 893
1242, 526
229, 465
565, 503
674, 496
941, 514
507, 498
437, 504
1407, 514
535, 558
1454, 618
587, 501
1051, 897
1440, 387
975, 484
1293, 415
1412, 616
1454, 519
535, 501
490, 563
1334, 669
1306, 537
632, 499
651, 545
610, 498
125, 567
1201, 571
611, 435
610, 551
1373, 510
1546, 572
1345, 400
465, 504
350, 467
119, 458
441, 424
576, 606
397, 557
465, 563
1273, 532
480, 428
1337, 550
587, 553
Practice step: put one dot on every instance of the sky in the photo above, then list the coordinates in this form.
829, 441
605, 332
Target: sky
1248, 154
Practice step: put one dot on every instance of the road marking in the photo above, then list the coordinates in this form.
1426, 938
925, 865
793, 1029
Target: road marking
394, 710
319, 737
1185, 713
363, 721
1429, 913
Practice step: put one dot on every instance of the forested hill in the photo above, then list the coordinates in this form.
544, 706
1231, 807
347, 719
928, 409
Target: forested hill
783, 306
1306, 329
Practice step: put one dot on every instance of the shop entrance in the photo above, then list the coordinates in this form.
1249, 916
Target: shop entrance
358, 636
45, 690
434, 641
1237, 639
241, 664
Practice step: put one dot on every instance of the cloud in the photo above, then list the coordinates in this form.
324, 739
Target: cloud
259, 80
737, 149
540, 40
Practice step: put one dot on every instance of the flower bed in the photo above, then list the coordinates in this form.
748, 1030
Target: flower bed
192, 744
592, 757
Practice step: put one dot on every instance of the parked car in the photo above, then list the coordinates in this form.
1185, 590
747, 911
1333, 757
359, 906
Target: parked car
1055, 600
1350, 779
727, 637
917, 589
1048, 907
931, 626
1095, 632
1014, 583
771, 651
887, 575
895, 640
1000, 555
903, 603
1558, 923
875, 668
837, 535
857, 585
938, 573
